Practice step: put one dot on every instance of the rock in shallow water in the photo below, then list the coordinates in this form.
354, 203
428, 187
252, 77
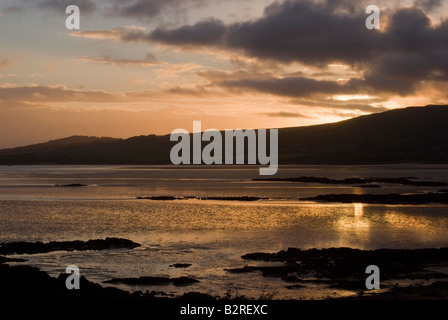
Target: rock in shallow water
40, 247
181, 281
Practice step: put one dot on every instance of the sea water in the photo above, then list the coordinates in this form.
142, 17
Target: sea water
211, 235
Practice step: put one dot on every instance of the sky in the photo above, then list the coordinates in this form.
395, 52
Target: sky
139, 67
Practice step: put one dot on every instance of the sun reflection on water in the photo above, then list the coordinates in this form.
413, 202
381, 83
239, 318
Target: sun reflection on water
353, 226
359, 210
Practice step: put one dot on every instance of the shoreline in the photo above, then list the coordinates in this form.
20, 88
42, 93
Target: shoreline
338, 268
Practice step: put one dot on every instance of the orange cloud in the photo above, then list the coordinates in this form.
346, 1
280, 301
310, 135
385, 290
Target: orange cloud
5, 63
52, 68
55, 94
112, 34
150, 60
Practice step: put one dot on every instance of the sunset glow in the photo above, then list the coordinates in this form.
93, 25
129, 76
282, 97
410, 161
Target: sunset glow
149, 67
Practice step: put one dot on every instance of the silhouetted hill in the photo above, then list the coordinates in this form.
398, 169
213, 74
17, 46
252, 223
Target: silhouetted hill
410, 135
150, 149
415, 134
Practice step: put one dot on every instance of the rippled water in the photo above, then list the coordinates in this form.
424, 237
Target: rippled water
211, 235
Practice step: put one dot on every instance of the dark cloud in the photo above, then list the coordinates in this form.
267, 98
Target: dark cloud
197, 91
205, 33
305, 32
402, 74
85, 6
293, 31
409, 50
141, 8
417, 52
311, 33
220, 76
409, 30
289, 87
300, 86
148, 9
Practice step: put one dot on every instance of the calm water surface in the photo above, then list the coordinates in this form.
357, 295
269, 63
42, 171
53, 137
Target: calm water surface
211, 235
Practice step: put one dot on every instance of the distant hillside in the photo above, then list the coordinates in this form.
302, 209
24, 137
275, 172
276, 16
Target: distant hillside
410, 135
415, 134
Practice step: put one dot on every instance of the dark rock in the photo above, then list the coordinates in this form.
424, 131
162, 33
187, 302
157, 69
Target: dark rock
29, 283
181, 281
357, 285
292, 254
292, 279
243, 198
160, 198
167, 198
6, 260
268, 271
180, 265
344, 268
40, 247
